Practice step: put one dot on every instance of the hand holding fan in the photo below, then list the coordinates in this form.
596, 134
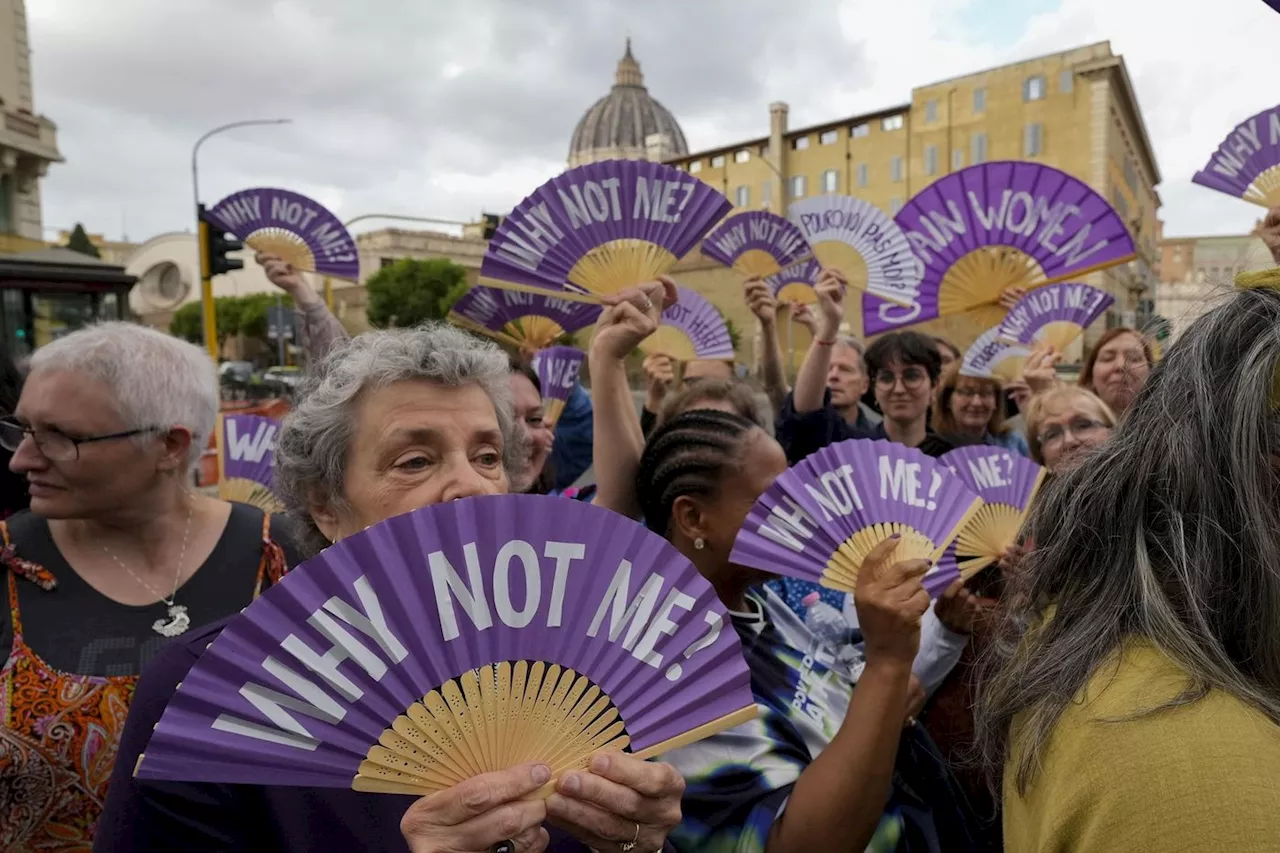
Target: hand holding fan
1007, 482
297, 229
1247, 163
690, 330
756, 243
455, 640
557, 369
1054, 315
796, 283
530, 321
602, 227
861, 241
991, 358
821, 518
246, 452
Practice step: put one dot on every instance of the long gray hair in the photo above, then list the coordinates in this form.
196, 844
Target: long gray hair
1169, 532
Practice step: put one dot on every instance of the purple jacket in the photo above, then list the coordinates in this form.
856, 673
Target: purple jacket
203, 818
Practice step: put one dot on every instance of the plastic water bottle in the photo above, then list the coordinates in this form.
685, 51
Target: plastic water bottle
826, 623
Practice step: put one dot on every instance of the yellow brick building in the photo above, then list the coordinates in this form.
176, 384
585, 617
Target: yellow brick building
1074, 110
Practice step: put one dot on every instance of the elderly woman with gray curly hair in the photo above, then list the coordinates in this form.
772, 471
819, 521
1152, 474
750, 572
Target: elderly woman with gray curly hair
1132, 701
392, 421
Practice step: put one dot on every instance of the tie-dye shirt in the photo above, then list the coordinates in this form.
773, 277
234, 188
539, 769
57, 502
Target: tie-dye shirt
738, 782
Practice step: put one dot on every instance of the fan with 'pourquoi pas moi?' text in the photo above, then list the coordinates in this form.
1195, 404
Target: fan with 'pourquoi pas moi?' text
297, 229
991, 358
527, 321
456, 640
246, 456
821, 517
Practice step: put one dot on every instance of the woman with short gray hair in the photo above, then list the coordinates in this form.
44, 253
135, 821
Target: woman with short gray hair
1133, 700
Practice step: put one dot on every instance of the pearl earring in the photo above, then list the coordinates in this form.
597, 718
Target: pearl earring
699, 544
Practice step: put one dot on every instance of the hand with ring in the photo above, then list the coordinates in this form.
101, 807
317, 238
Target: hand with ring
491, 812
631, 316
620, 803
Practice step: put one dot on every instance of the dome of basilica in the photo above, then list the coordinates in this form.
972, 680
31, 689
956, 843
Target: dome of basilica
627, 123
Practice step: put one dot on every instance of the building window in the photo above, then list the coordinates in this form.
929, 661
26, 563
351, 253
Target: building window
1066, 81
742, 196
862, 174
895, 169
798, 186
764, 150
1033, 89
931, 159
1033, 140
695, 167
895, 205
931, 110
979, 146
383, 263
979, 100
6, 204
830, 180
891, 123
860, 130
800, 143
957, 158
717, 161
741, 156
766, 193
828, 137
1118, 202
1130, 176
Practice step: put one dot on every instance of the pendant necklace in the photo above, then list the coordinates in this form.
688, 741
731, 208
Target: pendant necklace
178, 621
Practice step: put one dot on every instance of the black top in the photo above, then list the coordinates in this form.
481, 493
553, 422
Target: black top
76, 629
801, 434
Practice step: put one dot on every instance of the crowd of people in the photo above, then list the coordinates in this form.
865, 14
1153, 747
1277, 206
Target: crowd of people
1111, 684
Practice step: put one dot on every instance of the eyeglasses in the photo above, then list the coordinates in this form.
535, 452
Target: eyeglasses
912, 378
1080, 428
54, 445
973, 393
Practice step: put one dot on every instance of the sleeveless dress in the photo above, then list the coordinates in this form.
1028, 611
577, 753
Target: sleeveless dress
62, 729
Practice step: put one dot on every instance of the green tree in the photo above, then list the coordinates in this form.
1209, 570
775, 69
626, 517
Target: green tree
187, 323
735, 337
79, 242
230, 314
410, 291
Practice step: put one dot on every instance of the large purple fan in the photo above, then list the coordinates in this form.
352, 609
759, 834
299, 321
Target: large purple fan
690, 330
819, 520
603, 227
525, 320
1007, 482
247, 450
1054, 315
1247, 163
454, 640
757, 243
298, 229
996, 226
796, 283
557, 369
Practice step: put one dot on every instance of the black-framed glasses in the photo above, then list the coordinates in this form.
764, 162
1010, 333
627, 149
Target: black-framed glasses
912, 378
54, 445
1079, 427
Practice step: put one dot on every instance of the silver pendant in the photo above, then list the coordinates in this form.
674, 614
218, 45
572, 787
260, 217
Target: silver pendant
177, 623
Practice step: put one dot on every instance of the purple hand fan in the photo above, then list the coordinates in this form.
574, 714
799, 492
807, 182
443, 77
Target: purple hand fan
863, 242
1054, 315
756, 243
796, 283
455, 640
247, 453
991, 358
1247, 163
301, 231
557, 369
1006, 482
820, 519
691, 329
603, 227
530, 321
995, 226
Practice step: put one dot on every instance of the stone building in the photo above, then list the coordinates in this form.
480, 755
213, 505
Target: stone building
1196, 271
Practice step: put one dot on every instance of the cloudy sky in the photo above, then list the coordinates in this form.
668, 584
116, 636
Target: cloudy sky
433, 108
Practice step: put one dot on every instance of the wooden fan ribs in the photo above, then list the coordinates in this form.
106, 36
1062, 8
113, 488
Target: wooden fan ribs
619, 264
982, 275
842, 568
288, 246
249, 492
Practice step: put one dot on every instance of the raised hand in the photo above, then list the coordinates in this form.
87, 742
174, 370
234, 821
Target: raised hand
1269, 231
890, 600
830, 288
1038, 372
760, 300
803, 314
620, 802
959, 609
1010, 296
631, 316
480, 813
285, 277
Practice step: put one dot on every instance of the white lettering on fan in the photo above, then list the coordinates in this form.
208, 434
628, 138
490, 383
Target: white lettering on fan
250, 447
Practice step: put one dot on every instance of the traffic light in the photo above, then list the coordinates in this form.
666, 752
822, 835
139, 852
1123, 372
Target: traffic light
214, 246
491, 223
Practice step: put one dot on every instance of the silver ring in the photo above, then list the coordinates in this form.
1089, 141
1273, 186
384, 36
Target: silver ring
507, 846
628, 846
647, 306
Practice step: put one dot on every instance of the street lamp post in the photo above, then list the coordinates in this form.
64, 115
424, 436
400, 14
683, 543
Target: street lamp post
206, 296
328, 284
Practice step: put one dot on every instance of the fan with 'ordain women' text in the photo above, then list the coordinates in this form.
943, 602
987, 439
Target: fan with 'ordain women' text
528, 321
691, 329
821, 517
602, 228
756, 243
1054, 315
1247, 163
995, 226
297, 229
557, 369
455, 640
247, 450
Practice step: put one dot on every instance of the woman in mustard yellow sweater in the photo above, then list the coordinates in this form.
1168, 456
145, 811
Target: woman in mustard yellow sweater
1133, 702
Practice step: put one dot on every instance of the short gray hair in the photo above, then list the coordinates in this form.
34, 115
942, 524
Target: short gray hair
156, 380
856, 345
315, 437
